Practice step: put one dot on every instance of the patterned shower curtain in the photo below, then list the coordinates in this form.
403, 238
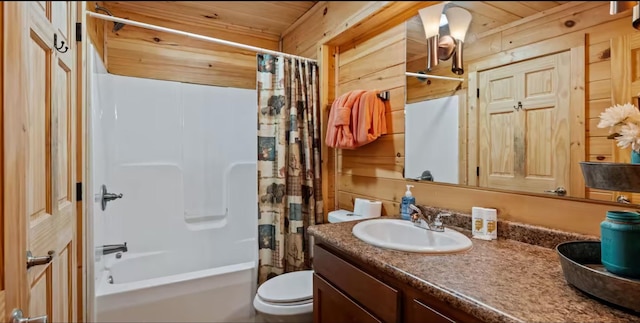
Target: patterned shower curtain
289, 178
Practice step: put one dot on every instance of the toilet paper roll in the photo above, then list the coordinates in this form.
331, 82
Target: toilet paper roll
367, 208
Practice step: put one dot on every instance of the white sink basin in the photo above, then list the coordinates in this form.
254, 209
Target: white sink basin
403, 235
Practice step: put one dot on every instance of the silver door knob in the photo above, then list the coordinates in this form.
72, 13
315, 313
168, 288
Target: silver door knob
37, 261
560, 191
17, 317
623, 199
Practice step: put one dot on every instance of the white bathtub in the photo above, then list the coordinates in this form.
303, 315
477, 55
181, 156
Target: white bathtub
149, 287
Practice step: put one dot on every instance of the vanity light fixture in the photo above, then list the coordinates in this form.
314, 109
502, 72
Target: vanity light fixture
446, 46
616, 7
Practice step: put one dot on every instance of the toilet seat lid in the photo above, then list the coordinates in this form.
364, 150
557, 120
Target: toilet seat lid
286, 288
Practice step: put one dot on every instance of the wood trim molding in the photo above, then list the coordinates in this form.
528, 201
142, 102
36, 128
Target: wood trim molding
14, 101
327, 78
81, 152
567, 214
472, 131
577, 121
2, 273
374, 20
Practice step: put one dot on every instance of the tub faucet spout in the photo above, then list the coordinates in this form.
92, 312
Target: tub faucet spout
112, 248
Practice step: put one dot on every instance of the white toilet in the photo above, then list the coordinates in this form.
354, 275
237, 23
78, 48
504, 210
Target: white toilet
289, 297
286, 298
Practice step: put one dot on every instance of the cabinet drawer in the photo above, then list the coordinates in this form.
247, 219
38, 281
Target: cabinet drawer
331, 306
419, 307
419, 312
377, 297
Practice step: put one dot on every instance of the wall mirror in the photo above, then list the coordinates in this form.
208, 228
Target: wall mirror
525, 138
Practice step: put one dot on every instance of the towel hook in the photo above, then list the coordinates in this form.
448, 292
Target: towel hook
384, 95
55, 44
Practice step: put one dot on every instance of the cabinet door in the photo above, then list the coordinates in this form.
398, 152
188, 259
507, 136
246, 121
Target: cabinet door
524, 133
378, 298
330, 305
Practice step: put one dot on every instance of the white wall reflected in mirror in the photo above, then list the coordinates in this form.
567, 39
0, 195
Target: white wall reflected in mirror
431, 139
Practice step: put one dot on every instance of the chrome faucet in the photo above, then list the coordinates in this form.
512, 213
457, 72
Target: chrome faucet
421, 220
111, 248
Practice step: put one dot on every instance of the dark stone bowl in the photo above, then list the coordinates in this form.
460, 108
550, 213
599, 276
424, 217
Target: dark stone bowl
582, 268
612, 176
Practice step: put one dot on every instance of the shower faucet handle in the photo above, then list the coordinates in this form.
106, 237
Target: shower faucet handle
112, 196
107, 197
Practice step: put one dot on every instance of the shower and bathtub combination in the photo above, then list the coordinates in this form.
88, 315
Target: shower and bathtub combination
185, 164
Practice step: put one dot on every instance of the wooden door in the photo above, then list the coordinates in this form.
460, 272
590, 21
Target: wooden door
39, 155
524, 135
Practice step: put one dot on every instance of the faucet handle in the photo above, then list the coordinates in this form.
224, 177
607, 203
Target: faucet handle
416, 213
438, 219
415, 209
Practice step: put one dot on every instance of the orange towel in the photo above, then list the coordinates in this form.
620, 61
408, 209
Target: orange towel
356, 118
339, 134
369, 118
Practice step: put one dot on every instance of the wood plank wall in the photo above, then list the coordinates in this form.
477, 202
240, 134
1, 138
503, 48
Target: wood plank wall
322, 20
625, 88
373, 171
599, 94
378, 63
345, 23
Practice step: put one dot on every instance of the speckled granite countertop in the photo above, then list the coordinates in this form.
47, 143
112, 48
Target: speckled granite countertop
497, 281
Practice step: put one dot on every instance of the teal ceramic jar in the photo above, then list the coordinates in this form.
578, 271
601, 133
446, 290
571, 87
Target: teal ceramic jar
620, 235
635, 157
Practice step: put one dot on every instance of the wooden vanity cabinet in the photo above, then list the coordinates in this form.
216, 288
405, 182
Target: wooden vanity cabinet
348, 290
331, 305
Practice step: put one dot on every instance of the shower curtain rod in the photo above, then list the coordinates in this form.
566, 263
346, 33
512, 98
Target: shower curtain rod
427, 76
201, 37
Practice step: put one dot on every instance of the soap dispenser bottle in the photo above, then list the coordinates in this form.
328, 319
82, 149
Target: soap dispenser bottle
407, 199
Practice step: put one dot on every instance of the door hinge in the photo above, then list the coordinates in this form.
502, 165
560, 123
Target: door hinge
478, 171
478, 93
78, 31
79, 191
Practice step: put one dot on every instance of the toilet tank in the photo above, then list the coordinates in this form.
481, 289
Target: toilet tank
345, 215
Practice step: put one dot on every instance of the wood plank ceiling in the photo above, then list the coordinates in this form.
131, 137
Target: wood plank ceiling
141, 52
